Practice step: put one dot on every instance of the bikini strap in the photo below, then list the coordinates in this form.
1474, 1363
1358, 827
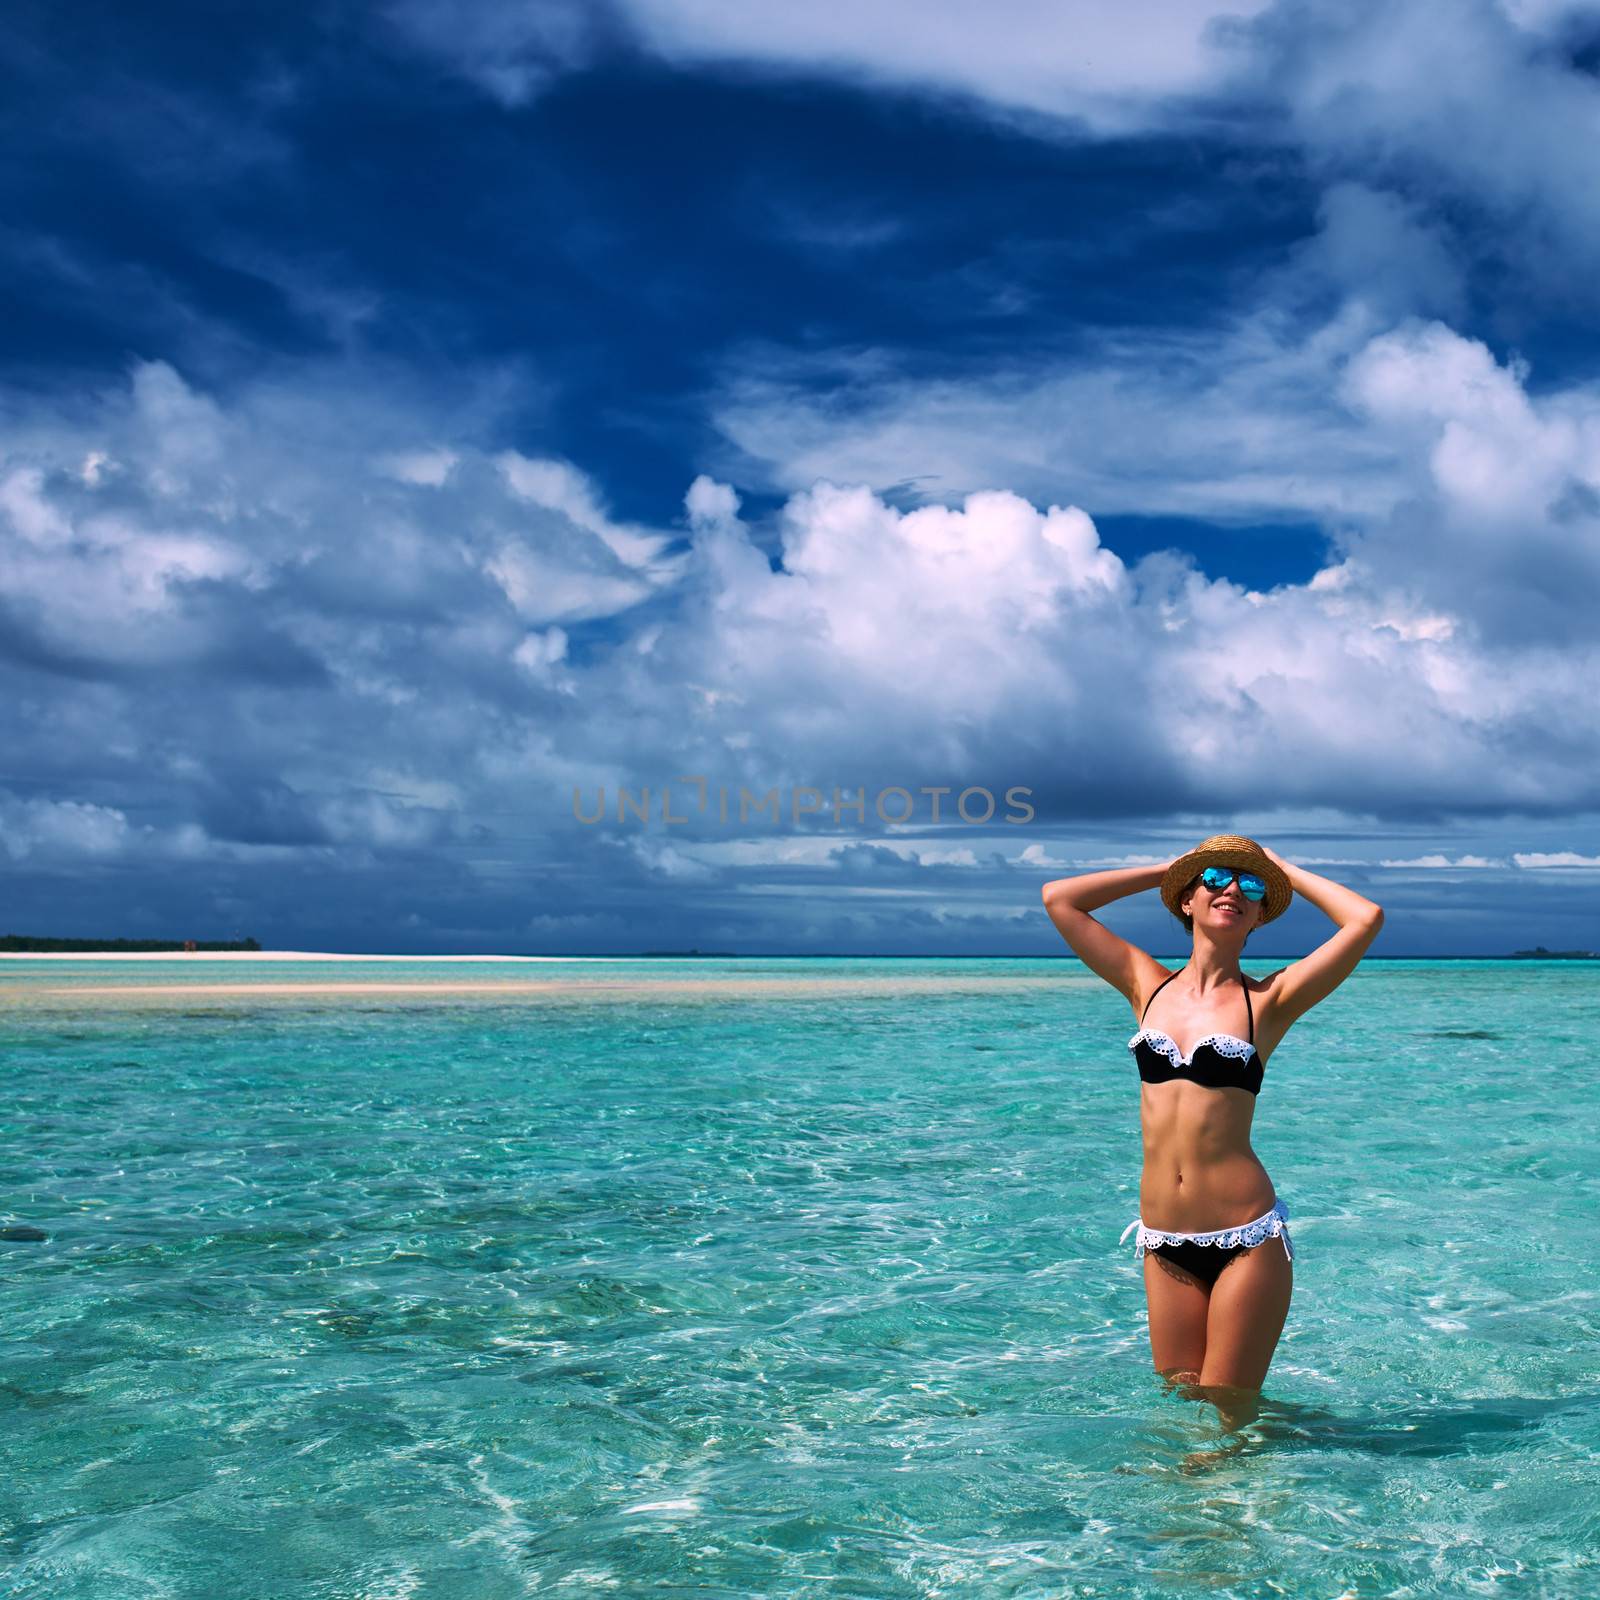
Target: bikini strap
1153, 993
1249, 1010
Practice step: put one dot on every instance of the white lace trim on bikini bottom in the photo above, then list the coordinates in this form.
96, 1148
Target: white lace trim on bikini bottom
1270, 1224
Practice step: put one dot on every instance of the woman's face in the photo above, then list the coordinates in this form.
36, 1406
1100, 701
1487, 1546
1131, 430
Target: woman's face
1222, 912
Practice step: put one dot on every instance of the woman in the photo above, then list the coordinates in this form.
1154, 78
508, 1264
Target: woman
1212, 1232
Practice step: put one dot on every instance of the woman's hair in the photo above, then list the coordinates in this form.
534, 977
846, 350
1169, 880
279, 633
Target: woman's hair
1188, 921
1183, 894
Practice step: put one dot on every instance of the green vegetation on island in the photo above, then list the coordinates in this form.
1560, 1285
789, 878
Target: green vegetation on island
1539, 953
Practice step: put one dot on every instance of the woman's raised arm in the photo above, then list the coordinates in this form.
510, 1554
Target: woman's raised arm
1122, 964
1336, 902
1313, 978
1091, 890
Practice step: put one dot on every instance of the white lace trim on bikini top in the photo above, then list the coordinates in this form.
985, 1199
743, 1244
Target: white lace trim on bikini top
1227, 1044
1264, 1227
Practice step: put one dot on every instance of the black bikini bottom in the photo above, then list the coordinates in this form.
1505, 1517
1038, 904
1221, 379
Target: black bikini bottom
1205, 1261
1206, 1254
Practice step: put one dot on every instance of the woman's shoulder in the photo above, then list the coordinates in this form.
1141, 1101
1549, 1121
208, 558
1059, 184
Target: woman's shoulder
1151, 976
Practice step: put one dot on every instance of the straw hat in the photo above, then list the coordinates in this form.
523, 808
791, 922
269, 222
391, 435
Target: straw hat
1228, 850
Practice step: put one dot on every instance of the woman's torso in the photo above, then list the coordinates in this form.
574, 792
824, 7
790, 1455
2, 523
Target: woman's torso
1200, 1172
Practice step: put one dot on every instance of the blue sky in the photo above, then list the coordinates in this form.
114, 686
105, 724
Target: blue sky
413, 415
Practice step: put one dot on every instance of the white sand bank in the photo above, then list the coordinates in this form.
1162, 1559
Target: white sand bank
261, 955
88, 995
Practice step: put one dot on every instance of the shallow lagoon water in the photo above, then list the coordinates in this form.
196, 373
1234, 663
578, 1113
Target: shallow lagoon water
799, 1290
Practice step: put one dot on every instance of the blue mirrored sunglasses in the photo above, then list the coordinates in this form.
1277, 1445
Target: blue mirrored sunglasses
1218, 878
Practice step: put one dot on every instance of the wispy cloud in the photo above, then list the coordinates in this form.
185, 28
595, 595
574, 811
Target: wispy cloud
1240, 421
1017, 57
1440, 863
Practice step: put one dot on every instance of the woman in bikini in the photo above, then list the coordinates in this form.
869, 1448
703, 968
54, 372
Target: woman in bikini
1218, 1296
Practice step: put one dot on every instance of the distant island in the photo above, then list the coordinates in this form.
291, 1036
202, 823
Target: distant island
721, 955
27, 944
1539, 953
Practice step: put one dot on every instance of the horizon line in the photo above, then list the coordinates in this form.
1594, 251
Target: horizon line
689, 955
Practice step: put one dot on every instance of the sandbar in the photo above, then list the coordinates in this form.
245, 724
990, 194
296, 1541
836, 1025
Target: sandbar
187, 956
798, 988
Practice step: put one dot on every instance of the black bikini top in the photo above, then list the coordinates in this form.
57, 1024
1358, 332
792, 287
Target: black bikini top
1218, 1061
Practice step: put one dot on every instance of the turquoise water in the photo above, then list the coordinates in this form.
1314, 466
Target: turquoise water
789, 1295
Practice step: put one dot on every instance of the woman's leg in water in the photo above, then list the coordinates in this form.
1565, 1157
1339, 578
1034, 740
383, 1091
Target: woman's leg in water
1178, 1303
